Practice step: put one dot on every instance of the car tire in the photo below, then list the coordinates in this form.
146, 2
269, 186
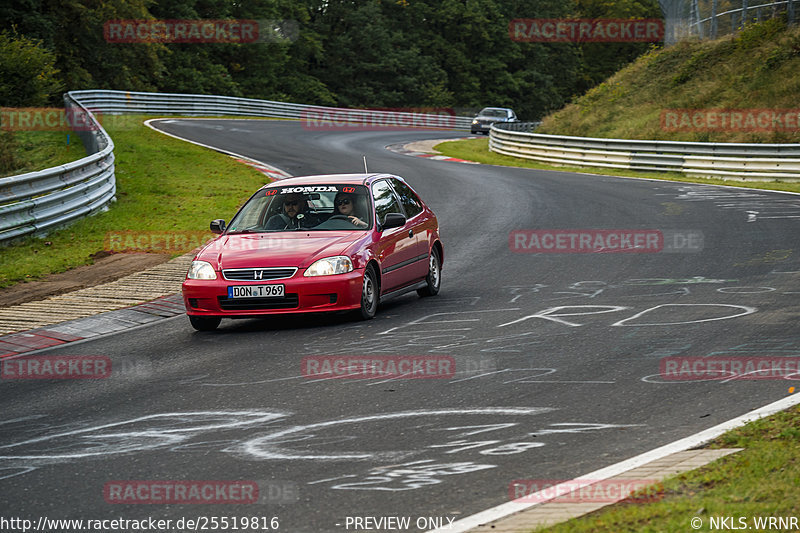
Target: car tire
205, 323
434, 278
370, 294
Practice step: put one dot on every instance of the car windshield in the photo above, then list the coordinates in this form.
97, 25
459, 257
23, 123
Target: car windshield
306, 207
493, 112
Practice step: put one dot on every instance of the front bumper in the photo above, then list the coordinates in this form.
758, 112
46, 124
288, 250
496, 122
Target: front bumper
480, 128
340, 292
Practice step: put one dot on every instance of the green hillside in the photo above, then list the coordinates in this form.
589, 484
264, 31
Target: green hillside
728, 90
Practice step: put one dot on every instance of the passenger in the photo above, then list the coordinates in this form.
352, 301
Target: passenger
345, 206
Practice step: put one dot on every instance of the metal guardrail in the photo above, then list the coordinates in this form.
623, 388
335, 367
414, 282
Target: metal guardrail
701, 19
33, 203
526, 127
758, 162
121, 102
738, 17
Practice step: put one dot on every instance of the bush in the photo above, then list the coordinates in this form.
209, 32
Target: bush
28, 76
8, 147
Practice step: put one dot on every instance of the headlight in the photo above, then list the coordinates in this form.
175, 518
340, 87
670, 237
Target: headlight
329, 266
201, 270
474, 120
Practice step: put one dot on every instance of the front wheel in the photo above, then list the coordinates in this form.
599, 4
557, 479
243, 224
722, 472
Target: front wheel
205, 323
434, 278
370, 294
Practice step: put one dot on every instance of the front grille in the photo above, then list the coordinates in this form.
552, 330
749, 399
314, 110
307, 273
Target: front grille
289, 301
252, 274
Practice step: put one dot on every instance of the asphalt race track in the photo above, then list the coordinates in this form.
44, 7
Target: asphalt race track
559, 357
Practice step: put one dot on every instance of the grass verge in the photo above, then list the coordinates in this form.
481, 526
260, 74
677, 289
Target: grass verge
166, 188
478, 150
666, 94
29, 151
760, 481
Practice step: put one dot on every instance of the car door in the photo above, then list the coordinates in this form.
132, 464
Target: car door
418, 223
396, 248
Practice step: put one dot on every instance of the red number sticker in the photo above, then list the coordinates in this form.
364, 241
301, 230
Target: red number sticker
348, 189
271, 192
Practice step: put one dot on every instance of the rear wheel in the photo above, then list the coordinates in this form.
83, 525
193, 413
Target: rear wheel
205, 323
434, 278
370, 294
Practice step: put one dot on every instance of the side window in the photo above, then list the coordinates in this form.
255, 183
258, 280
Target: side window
385, 201
410, 202
250, 216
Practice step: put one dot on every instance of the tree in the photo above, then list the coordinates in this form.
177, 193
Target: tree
73, 31
601, 60
28, 76
353, 53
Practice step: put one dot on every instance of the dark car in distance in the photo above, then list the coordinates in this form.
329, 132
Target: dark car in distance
482, 123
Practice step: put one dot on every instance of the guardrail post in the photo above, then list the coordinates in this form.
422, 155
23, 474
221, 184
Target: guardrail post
695, 14
790, 12
714, 19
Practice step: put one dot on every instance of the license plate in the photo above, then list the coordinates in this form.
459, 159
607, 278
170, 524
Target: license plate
256, 291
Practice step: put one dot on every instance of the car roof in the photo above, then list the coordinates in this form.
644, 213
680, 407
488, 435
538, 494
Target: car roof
497, 108
326, 179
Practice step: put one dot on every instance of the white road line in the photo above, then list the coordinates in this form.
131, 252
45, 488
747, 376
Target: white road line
692, 441
227, 152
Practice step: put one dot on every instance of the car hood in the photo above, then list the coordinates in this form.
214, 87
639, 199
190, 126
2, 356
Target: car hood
284, 249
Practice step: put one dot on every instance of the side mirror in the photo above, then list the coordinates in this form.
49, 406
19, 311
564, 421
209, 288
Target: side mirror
393, 220
217, 226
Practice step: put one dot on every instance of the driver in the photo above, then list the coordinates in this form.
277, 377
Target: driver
292, 215
345, 206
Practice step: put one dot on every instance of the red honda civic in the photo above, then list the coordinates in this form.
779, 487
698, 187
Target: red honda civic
339, 242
